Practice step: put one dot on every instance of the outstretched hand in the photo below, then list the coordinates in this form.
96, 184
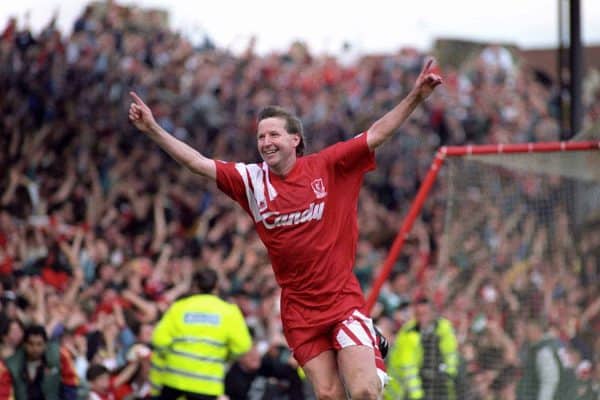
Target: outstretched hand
427, 80
140, 114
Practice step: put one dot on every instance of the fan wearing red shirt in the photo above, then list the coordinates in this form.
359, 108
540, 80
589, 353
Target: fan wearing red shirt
98, 377
305, 211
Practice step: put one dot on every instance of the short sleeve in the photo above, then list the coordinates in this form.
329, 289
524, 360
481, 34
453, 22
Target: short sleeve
230, 182
352, 155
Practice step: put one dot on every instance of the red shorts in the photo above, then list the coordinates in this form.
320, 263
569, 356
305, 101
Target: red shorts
356, 329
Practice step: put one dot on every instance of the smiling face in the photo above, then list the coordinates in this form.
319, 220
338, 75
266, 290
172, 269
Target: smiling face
276, 145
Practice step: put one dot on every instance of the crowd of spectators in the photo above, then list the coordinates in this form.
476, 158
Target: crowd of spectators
100, 231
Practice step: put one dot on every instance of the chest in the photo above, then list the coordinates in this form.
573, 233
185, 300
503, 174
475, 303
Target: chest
298, 192
299, 199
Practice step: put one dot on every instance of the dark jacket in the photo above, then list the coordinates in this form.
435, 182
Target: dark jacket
55, 378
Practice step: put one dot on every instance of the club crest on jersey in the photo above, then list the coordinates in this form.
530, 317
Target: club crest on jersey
262, 205
319, 188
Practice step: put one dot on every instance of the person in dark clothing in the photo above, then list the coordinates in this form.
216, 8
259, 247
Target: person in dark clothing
40, 369
545, 375
272, 376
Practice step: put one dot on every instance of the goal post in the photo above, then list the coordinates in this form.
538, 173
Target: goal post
579, 160
517, 231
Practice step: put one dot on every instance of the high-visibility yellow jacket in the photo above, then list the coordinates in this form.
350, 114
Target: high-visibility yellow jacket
406, 360
193, 341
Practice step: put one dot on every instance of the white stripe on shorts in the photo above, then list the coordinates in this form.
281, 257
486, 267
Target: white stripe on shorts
359, 328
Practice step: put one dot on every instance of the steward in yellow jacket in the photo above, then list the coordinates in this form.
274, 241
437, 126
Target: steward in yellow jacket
423, 362
193, 342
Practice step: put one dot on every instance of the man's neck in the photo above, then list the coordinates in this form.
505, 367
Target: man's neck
426, 325
283, 170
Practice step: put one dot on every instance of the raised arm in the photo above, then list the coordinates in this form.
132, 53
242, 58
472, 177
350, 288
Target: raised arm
385, 126
141, 116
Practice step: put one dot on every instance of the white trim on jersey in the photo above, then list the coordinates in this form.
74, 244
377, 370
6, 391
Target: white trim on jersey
255, 187
241, 169
270, 189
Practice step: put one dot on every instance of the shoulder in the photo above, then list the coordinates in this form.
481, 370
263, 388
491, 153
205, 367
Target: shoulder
16, 357
444, 324
223, 305
215, 302
14, 363
237, 166
54, 352
408, 328
545, 357
353, 153
225, 308
227, 170
176, 306
359, 141
183, 303
238, 174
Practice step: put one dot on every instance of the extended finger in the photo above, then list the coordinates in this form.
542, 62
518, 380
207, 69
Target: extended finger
427, 65
136, 98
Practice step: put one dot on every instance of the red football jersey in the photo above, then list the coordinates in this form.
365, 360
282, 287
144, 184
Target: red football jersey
308, 223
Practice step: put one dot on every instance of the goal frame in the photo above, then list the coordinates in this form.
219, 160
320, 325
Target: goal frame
431, 177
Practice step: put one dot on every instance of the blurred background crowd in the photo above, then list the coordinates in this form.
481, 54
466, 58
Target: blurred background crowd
100, 231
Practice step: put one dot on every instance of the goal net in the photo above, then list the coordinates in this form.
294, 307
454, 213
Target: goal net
520, 229
517, 231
